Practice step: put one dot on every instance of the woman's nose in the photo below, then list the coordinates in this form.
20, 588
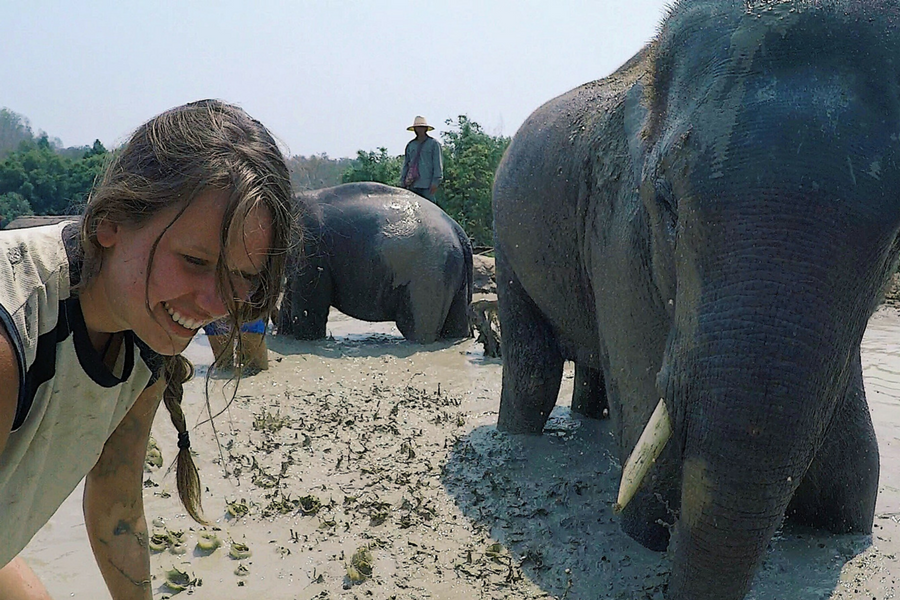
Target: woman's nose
211, 300
242, 288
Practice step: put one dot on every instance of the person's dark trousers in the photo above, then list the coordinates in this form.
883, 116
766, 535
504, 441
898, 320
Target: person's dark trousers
424, 192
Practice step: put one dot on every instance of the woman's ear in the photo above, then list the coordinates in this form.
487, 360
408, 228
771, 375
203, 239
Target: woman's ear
107, 233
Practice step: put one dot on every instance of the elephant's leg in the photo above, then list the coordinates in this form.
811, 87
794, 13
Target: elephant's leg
420, 314
589, 395
456, 325
405, 319
223, 356
839, 490
284, 320
532, 360
409, 321
254, 352
310, 303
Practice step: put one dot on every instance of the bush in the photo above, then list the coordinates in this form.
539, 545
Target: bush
49, 182
471, 157
374, 166
13, 206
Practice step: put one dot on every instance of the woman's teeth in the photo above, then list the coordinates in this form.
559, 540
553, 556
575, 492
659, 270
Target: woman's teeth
183, 321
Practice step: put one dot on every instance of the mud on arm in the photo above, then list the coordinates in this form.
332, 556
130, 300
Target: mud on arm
113, 502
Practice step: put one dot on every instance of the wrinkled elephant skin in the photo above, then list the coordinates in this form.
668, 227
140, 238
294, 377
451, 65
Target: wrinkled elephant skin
377, 253
713, 225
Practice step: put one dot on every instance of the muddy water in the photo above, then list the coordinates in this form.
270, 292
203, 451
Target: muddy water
396, 444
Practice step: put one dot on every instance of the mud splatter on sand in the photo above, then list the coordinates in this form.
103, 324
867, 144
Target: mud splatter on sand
367, 467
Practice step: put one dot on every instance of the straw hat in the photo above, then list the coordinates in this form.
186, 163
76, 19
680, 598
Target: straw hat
419, 122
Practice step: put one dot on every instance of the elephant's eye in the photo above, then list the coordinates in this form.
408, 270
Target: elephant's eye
664, 194
668, 206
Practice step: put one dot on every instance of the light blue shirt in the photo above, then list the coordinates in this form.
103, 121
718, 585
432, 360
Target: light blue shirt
431, 165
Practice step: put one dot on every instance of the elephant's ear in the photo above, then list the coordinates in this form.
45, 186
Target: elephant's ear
636, 120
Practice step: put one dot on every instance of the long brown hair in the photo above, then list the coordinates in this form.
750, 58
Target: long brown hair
169, 161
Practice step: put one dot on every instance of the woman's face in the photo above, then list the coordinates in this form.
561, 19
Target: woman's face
182, 290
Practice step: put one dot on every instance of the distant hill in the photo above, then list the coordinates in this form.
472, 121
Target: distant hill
16, 129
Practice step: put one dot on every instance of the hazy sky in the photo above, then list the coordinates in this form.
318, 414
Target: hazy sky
329, 76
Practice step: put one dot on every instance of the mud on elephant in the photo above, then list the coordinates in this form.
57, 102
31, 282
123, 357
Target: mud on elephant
711, 226
378, 253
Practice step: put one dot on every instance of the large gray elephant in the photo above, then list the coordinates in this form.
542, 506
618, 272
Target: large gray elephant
711, 225
378, 253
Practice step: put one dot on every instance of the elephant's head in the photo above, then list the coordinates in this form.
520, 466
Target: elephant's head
766, 140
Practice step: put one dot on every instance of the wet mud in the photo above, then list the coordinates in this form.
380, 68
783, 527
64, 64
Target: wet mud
364, 466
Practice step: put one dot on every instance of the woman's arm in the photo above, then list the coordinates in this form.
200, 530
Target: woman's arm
9, 386
17, 581
114, 506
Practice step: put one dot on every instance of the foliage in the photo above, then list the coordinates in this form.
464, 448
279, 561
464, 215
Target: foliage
40, 177
14, 129
471, 157
316, 171
374, 166
13, 206
49, 182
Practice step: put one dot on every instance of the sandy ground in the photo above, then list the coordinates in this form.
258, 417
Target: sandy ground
368, 467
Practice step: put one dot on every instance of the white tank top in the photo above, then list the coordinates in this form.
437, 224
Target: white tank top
69, 401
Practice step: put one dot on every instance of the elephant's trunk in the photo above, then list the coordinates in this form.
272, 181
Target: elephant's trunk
721, 535
752, 378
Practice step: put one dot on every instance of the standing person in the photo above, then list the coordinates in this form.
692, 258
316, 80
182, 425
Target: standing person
423, 167
190, 223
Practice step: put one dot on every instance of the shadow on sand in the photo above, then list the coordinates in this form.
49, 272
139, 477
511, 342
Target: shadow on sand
549, 500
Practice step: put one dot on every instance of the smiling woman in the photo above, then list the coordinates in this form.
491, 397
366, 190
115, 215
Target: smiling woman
189, 225
167, 304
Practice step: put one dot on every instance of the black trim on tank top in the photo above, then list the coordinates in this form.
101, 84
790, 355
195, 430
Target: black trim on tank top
90, 359
19, 348
70, 321
44, 366
152, 359
71, 238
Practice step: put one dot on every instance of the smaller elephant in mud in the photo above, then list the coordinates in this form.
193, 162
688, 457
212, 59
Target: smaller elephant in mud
377, 253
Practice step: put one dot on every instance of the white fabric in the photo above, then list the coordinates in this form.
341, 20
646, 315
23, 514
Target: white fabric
72, 414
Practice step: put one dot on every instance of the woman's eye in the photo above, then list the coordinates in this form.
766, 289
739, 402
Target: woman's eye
195, 261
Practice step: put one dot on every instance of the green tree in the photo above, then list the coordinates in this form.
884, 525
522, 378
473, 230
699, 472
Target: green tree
84, 173
12, 206
316, 171
14, 129
374, 166
51, 183
471, 157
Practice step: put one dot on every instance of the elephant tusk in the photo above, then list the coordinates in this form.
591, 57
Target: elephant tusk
648, 448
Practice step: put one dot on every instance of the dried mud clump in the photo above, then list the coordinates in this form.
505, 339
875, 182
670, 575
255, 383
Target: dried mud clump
484, 316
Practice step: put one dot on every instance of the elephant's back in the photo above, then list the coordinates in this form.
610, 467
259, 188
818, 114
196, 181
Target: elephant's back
384, 215
391, 238
545, 202
414, 238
